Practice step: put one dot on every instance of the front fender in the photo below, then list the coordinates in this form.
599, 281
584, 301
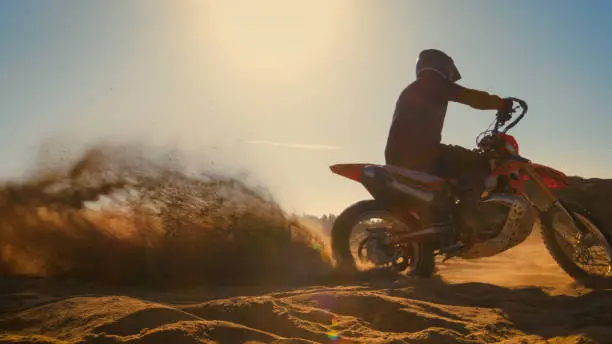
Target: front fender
554, 179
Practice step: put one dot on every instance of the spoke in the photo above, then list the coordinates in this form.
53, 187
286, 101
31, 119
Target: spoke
370, 243
589, 254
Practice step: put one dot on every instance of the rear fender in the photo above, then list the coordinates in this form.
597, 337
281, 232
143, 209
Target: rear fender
383, 183
424, 180
350, 171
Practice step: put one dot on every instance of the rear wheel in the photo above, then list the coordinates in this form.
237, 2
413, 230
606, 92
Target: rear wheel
583, 256
362, 239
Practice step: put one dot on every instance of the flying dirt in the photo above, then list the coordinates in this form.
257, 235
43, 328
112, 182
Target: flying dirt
115, 217
119, 249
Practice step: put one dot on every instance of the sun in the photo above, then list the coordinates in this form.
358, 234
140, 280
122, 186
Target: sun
272, 38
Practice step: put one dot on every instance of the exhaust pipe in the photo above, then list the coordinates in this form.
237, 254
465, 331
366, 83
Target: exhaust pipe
422, 233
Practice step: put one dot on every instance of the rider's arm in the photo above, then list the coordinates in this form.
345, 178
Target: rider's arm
476, 99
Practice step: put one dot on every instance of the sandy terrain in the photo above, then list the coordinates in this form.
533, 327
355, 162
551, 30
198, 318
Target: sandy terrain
518, 297
166, 230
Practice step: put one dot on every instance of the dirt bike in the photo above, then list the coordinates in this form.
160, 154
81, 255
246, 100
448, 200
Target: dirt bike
519, 194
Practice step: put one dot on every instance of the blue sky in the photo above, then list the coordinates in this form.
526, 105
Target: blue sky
282, 89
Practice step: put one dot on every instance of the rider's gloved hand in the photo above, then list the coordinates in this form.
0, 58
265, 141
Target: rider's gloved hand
507, 106
505, 112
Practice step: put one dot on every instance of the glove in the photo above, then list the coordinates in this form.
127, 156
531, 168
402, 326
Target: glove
505, 113
508, 106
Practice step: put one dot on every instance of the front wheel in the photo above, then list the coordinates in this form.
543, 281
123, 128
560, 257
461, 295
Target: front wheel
362, 239
583, 256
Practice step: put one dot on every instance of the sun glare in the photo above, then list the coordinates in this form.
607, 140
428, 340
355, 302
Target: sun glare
273, 39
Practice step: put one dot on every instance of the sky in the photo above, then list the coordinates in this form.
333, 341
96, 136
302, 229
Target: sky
279, 90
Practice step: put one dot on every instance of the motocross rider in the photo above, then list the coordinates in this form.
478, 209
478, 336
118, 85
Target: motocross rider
414, 140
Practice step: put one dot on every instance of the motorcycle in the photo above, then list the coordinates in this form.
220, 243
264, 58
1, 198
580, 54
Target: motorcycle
519, 194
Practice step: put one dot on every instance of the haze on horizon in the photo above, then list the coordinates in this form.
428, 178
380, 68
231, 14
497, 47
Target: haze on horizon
283, 89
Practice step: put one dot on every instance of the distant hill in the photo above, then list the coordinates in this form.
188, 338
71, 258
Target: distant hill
593, 194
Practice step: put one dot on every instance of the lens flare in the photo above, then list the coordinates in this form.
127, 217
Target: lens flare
333, 335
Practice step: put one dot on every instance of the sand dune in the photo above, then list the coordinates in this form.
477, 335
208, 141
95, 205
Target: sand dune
517, 297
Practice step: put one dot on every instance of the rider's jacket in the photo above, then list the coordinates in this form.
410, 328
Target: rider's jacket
416, 130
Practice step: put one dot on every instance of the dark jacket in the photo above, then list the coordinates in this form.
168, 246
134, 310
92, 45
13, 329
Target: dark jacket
416, 131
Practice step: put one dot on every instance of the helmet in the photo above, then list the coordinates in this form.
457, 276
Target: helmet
437, 61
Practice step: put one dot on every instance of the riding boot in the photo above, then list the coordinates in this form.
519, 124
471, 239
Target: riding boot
470, 216
441, 217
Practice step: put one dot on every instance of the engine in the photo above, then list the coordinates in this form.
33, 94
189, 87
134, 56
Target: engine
511, 217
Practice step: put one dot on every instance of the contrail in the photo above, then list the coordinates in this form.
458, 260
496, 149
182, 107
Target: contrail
295, 145
584, 150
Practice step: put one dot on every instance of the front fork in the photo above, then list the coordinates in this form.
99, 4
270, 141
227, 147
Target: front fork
553, 202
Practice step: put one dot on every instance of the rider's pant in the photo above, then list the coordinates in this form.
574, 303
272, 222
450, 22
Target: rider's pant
469, 169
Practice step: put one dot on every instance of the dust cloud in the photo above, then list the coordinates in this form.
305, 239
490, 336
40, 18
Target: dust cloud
116, 215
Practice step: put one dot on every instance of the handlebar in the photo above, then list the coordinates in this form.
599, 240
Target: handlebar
500, 122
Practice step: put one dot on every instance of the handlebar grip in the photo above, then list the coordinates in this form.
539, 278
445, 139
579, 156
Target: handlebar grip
522, 103
524, 107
